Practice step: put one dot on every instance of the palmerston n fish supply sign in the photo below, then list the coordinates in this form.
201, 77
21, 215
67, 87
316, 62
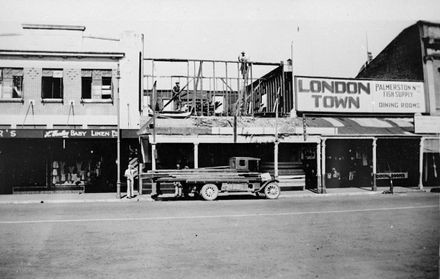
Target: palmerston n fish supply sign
316, 94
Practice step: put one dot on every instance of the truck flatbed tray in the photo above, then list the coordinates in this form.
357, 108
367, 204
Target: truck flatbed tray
204, 180
222, 169
177, 175
211, 180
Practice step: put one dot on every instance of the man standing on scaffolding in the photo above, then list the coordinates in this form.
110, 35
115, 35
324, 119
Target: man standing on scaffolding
244, 68
176, 95
244, 64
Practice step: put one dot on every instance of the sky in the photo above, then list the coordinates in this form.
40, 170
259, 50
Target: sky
326, 38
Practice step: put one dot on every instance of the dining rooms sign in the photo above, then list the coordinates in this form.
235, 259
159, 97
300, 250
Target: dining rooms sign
316, 94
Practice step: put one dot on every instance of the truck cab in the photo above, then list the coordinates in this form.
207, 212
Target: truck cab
249, 164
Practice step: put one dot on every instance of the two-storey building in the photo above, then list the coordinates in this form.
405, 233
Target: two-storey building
65, 96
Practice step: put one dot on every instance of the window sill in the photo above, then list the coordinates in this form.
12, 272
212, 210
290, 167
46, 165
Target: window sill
96, 101
52, 100
11, 100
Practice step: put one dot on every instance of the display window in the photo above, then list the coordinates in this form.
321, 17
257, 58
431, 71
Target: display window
348, 163
83, 163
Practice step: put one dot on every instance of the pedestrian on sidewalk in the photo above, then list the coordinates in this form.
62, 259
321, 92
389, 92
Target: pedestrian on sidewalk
129, 173
177, 186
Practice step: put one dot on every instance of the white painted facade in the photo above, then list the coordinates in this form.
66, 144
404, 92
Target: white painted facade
72, 51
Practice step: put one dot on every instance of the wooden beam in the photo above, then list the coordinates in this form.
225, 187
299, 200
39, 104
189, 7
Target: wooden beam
208, 60
226, 84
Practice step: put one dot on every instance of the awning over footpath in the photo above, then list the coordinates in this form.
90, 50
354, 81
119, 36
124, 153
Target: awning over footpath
320, 126
368, 126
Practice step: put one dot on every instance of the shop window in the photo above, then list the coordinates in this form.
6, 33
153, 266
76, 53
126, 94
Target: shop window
11, 84
86, 87
52, 84
96, 85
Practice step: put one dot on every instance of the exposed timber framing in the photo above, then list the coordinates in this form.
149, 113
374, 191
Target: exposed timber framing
203, 92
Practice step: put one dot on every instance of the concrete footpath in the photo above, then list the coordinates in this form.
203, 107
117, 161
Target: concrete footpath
111, 197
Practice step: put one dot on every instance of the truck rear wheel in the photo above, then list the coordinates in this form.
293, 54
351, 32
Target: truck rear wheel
209, 192
272, 190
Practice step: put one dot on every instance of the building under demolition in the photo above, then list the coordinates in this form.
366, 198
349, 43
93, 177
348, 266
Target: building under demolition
377, 129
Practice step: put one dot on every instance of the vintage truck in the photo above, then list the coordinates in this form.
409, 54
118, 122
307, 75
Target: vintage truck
242, 175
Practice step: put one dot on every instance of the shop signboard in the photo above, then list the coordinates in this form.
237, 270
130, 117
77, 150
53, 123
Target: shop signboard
78, 133
317, 94
20, 133
8, 133
58, 133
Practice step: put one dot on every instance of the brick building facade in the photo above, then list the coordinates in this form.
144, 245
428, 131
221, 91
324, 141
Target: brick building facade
63, 96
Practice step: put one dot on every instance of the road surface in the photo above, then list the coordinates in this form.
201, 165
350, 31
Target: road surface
374, 236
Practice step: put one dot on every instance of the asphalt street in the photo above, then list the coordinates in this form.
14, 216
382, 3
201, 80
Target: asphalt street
374, 236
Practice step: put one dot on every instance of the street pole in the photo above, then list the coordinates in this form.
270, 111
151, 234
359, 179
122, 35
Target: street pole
276, 135
153, 144
154, 191
293, 110
374, 149
323, 168
318, 165
421, 148
118, 141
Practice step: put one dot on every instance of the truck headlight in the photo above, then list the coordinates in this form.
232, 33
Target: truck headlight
265, 176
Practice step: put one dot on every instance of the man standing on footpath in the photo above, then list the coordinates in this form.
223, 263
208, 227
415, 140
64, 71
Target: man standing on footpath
129, 173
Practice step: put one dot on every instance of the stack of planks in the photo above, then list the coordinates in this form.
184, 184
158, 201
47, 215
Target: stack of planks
291, 175
202, 176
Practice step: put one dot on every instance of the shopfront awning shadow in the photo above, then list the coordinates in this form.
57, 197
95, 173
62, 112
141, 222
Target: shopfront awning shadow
225, 197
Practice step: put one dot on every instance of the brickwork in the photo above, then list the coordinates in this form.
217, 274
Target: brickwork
32, 83
72, 85
91, 111
32, 86
413, 55
401, 59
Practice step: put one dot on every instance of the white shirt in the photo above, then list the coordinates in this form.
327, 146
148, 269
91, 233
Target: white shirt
129, 174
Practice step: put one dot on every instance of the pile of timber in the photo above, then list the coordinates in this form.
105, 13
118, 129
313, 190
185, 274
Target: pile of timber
202, 175
284, 168
203, 107
291, 175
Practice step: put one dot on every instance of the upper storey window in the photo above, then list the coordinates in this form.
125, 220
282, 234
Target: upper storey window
11, 84
96, 85
52, 84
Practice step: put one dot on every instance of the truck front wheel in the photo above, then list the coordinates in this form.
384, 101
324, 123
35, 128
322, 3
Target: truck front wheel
209, 192
272, 190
